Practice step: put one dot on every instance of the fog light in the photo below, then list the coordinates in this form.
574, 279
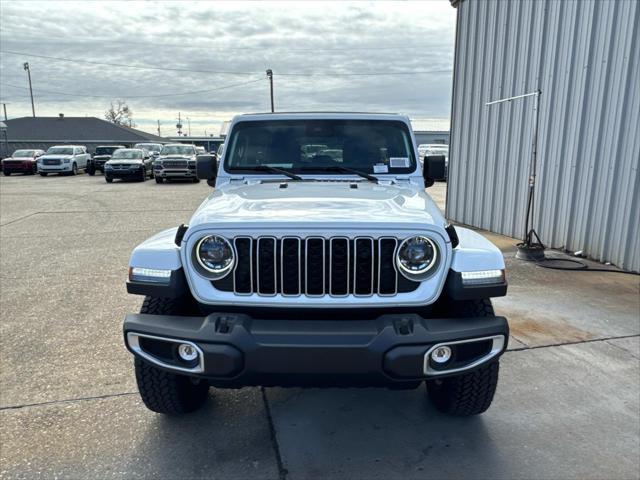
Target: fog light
187, 352
441, 354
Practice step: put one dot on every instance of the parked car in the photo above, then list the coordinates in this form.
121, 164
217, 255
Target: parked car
22, 161
66, 159
295, 273
176, 160
153, 148
129, 163
100, 157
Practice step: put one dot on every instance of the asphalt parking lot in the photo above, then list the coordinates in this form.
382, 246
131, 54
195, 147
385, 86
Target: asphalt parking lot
567, 405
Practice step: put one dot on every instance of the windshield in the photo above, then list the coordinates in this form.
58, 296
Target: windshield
60, 151
106, 150
128, 154
369, 146
152, 147
178, 150
23, 153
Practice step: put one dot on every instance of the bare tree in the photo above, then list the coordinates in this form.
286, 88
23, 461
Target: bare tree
120, 114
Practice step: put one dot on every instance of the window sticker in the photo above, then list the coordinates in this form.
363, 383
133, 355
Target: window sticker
399, 162
380, 168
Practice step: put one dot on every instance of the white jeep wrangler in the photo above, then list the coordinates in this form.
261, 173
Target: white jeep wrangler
323, 266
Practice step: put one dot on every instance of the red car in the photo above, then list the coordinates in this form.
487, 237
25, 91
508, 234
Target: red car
22, 161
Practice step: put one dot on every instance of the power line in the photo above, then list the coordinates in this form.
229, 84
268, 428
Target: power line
137, 96
224, 72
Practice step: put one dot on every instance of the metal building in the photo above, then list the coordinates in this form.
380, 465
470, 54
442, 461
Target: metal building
585, 58
431, 130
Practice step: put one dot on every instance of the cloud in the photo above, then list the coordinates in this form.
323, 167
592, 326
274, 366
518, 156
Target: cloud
305, 37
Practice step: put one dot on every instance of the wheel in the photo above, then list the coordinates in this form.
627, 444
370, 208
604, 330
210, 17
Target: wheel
158, 179
108, 179
469, 393
196, 180
91, 171
143, 175
74, 169
162, 391
6, 174
44, 174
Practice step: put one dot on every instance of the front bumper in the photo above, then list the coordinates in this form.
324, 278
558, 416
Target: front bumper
123, 172
65, 167
175, 173
237, 350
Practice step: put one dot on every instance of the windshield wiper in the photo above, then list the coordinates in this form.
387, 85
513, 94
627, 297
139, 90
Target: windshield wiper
267, 168
340, 168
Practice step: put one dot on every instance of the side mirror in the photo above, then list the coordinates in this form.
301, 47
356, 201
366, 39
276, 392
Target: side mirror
433, 169
207, 168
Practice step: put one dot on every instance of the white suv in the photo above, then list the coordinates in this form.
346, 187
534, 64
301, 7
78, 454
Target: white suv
308, 269
63, 159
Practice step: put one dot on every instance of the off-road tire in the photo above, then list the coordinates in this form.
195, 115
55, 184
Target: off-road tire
469, 393
161, 391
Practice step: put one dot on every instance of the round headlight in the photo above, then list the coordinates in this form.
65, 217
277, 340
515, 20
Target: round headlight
416, 257
215, 255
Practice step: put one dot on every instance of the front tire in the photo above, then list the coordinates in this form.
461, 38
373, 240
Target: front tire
469, 393
91, 171
158, 179
44, 174
6, 174
108, 179
162, 391
74, 169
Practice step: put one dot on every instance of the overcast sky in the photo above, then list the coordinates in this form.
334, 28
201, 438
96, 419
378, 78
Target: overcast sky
317, 51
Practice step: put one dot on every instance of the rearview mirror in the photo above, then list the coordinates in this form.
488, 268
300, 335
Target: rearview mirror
434, 169
207, 168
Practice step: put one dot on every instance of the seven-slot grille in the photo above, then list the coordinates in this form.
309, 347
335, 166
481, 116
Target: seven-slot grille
315, 266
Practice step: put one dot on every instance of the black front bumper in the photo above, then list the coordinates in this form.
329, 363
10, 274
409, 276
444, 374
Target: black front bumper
123, 173
238, 350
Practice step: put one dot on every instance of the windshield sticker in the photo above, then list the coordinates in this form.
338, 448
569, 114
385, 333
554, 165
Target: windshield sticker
399, 162
380, 168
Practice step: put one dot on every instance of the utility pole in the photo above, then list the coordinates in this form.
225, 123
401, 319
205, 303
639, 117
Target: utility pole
179, 125
270, 77
159, 128
4, 106
189, 125
25, 65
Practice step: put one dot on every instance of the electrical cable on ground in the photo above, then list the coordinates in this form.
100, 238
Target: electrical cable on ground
580, 266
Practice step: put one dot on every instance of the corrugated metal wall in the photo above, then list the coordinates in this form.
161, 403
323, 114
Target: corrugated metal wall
585, 57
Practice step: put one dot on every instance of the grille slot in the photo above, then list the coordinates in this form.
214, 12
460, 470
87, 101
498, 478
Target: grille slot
315, 266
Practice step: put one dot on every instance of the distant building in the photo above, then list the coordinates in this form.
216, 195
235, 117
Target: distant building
43, 132
210, 144
431, 130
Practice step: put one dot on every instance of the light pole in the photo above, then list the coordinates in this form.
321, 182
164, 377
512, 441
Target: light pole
270, 77
25, 65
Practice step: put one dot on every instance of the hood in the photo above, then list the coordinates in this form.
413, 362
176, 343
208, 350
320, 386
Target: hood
318, 203
102, 156
124, 161
54, 156
176, 157
18, 159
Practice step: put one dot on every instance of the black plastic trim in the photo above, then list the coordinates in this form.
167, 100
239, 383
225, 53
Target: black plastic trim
325, 352
176, 288
453, 235
456, 290
182, 229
